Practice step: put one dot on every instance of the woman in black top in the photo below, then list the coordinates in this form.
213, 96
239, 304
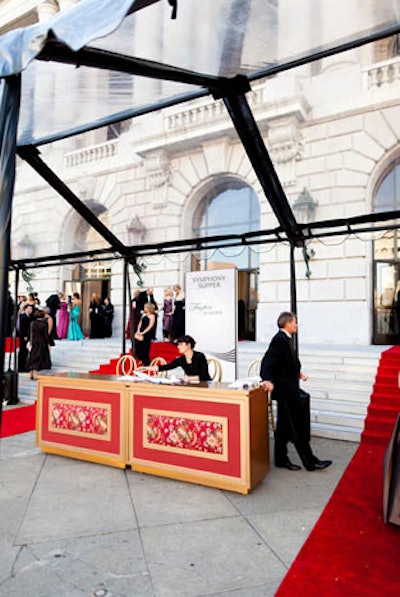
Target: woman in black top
192, 362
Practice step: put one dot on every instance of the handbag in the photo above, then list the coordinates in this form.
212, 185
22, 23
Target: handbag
138, 336
304, 414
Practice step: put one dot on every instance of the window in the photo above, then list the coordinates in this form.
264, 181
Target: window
387, 198
387, 195
229, 208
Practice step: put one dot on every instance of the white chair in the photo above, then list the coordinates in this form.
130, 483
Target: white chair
159, 361
214, 369
126, 365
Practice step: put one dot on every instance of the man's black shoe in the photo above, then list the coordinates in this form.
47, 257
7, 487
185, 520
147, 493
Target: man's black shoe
289, 465
320, 464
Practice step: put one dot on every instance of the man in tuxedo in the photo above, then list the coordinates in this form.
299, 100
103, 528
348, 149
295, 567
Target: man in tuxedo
25, 321
280, 373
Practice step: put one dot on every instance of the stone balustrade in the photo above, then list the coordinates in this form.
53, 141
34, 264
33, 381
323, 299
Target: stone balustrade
92, 154
382, 73
203, 112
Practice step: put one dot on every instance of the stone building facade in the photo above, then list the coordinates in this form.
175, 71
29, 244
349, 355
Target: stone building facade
332, 129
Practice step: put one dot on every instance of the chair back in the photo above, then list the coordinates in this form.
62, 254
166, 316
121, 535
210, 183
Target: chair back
254, 368
126, 365
214, 369
159, 361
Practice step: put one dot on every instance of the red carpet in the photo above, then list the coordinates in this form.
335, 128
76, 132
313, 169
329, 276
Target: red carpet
351, 551
18, 420
166, 350
9, 345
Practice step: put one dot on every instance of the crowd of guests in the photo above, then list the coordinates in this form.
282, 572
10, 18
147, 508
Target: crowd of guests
39, 325
37, 328
143, 320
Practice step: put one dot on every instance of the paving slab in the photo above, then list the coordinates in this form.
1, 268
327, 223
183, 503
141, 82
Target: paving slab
71, 528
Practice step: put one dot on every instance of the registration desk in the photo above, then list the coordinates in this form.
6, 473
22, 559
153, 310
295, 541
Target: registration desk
205, 433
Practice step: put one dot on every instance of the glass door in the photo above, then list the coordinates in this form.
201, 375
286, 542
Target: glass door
247, 303
386, 302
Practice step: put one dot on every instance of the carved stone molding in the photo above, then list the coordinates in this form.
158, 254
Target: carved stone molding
136, 231
158, 172
85, 187
286, 147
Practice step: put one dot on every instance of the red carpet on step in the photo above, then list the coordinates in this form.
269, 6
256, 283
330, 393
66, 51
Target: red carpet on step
166, 350
18, 420
351, 551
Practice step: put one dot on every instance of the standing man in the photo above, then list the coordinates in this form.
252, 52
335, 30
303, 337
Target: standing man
25, 321
280, 373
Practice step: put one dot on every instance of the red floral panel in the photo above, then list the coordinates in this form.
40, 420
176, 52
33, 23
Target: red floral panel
168, 432
186, 432
80, 417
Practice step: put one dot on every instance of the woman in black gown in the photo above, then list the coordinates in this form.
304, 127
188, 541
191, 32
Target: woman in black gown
144, 334
178, 316
96, 317
108, 314
39, 357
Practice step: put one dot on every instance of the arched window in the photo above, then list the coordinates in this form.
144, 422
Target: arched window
387, 261
229, 208
387, 198
387, 194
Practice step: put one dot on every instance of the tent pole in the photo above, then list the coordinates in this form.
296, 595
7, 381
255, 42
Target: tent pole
253, 143
15, 319
124, 292
9, 114
293, 292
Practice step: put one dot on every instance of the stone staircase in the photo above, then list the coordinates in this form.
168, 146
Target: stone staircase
340, 378
67, 355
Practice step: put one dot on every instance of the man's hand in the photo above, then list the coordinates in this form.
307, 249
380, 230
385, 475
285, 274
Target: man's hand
267, 385
303, 376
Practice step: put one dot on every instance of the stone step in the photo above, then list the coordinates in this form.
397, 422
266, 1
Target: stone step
340, 419
346, 406
351, 434
340, 396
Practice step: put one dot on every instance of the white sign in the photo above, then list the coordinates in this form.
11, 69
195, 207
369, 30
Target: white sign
211, 316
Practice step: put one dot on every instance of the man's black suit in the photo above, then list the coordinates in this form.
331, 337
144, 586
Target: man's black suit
281, 366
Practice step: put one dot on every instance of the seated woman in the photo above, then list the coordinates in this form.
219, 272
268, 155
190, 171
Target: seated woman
192, 362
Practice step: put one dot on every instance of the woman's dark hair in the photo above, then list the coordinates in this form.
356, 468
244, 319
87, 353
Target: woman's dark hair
187, 340
76, 295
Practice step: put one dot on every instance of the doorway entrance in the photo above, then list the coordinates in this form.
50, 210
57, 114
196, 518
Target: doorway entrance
87, 281
247, 303
386, 302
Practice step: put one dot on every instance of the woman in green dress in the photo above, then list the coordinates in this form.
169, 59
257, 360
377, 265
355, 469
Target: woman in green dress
74, 329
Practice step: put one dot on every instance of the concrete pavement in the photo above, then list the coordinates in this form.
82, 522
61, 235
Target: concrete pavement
75, 529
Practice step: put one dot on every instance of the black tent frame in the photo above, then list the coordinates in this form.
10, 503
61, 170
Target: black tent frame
232, 91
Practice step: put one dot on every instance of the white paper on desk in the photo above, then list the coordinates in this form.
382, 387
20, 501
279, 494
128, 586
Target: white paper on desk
127, 378
140, 376
245, 383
